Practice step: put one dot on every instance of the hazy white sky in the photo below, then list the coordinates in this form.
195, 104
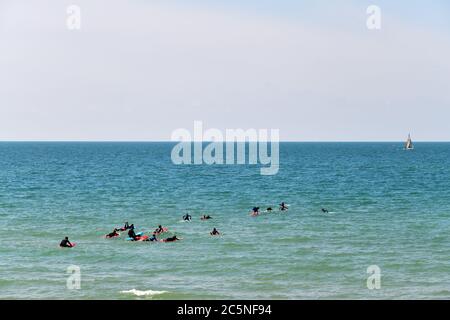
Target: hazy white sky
137, 70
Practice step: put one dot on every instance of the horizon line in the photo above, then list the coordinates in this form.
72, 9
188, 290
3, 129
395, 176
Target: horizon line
209, 141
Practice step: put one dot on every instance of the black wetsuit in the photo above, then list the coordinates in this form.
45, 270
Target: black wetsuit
171, 239
132, 234
113, 234
65, 243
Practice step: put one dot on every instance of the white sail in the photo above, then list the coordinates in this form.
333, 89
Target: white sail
409, 144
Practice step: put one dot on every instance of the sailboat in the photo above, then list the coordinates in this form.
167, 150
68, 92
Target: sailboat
409, 144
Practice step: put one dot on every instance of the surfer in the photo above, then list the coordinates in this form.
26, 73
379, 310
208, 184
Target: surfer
206, 217
325, 210
113, 234
126, 226
255, 211
159, 230
214, 232
171, 239
153, 238
65, 243
269, 209
132, 234
187, 217
283, 206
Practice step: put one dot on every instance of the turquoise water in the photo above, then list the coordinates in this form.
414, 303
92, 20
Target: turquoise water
388, 207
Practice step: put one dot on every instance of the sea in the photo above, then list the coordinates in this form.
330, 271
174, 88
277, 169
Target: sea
386, 234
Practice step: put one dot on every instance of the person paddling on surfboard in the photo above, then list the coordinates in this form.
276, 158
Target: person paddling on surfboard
171, 239
66, 243
125, 227
283, 206
325, 210
153, 238
160, 230
113, 234
187, 217
206, 217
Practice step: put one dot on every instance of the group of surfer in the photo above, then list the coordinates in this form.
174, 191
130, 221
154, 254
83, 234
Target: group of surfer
256, 212
133, 236
188, 217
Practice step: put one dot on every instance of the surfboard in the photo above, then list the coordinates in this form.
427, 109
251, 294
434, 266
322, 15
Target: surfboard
139, 235
141, 238
73, 245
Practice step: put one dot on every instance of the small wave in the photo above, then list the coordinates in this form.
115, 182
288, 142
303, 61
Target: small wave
140, 293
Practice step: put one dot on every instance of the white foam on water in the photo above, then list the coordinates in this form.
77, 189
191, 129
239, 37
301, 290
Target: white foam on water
140, 293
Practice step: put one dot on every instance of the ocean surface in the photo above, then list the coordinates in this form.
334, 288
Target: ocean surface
388, 207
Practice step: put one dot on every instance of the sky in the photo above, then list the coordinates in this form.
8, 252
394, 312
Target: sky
138, 70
